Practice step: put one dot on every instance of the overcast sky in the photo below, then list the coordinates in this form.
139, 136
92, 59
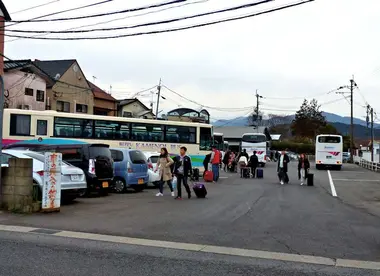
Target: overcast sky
301, 52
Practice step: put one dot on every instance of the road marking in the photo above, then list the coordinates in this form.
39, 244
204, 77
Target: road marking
358, 180
249, 253
333, 191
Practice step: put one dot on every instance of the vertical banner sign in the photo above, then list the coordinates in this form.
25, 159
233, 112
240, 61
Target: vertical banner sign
51, 195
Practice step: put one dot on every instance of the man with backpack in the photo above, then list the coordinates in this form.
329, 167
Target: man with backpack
253, 163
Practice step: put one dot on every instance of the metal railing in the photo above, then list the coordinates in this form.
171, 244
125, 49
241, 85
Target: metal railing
373, 166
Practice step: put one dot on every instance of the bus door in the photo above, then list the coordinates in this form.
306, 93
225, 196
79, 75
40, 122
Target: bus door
42, 127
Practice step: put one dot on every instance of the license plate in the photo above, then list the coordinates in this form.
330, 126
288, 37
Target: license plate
140, 181
105, 184
74, 177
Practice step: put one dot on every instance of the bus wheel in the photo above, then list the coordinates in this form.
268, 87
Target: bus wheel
318, 167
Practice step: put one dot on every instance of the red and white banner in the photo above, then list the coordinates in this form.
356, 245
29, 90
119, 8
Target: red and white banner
51, 194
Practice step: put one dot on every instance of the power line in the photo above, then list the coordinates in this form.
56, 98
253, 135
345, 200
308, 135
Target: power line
150, 23
101, 14
59, 12
168, 30
35, 7
122, 18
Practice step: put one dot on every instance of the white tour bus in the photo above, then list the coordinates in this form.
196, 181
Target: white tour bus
54, 127
255, 142
219, 142
328, 151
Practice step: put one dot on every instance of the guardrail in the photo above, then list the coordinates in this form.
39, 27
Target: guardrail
373, 166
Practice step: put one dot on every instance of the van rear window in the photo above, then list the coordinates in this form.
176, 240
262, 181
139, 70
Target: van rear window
137, 157
96, 151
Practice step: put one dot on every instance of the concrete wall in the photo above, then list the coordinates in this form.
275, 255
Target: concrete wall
16, 82
17, 186
78, 92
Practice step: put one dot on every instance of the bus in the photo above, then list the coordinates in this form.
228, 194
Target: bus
30, 126
255, 142
328, 151
219, 142
226, 145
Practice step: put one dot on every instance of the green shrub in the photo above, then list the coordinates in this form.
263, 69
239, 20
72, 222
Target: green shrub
307, 148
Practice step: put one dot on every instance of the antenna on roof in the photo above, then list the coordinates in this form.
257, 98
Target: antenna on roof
93, 79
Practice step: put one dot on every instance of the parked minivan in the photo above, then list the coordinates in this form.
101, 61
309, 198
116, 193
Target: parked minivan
94, 159
130, 169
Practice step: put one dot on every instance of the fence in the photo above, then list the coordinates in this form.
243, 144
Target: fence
373, 166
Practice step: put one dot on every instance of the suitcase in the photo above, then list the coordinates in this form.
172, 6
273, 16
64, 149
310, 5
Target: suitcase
195, 176
209, 176
259, 173
199, 190
310, 179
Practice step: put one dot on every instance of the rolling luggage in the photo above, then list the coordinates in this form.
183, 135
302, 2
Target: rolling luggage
310, 179
195, 176
208, 176
260, 173
246, 173
199, 190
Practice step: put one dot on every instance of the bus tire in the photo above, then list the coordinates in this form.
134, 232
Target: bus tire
318, 167
338, 168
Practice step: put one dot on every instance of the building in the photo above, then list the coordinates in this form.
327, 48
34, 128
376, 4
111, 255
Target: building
189, 115
134, 108
25, 85
233, 134
70, 91
104, 103
4, 17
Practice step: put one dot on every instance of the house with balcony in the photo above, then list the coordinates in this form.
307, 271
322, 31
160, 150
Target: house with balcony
25, 85
70, 92
104, 103
134, 108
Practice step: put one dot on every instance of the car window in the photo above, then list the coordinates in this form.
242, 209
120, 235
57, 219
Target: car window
154, 158
117, 155
137, 157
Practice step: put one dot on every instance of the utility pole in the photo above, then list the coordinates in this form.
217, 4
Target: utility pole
352, 86
257, 108
158, 98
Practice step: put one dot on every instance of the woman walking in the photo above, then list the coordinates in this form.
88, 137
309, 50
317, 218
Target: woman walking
163, 165
303, 168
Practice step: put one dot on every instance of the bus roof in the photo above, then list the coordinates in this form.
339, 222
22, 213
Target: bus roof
218, 134
331, 135
254, 133
99, 117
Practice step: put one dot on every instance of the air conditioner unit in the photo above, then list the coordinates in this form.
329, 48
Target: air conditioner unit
24, 106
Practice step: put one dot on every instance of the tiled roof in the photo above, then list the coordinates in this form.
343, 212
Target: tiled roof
16, 64
99, 93
54, 67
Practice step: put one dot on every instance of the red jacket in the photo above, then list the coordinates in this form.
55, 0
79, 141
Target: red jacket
217, 157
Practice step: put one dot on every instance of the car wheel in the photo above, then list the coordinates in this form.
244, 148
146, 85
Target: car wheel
119, 185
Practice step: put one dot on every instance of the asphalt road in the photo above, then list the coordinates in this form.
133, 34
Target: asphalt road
35, 255
255, 214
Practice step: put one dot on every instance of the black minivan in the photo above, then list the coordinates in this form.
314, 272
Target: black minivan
94, 159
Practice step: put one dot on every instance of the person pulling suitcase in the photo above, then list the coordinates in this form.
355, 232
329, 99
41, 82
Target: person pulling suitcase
253, 163
303, 168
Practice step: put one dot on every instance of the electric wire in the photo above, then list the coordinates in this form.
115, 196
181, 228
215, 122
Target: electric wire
35, 7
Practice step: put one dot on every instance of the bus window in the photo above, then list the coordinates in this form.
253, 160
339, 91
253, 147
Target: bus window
73, 127
180, 134
218, 141
329, 139
254, 138
147, 132
20, 125
205, 138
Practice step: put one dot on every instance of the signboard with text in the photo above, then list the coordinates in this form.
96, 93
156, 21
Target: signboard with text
51, 194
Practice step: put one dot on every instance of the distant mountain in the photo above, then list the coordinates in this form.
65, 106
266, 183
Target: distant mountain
330, 117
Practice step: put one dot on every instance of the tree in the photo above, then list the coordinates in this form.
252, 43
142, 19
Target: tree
253, 120
308, 121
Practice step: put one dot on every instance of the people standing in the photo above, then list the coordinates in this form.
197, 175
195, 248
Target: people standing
253, 163
226, 159
215, 161
163, 166
182, 170
243, 161
303, 168
282, 168
232, 162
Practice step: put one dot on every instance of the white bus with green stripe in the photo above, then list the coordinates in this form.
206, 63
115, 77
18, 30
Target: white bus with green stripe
52, 127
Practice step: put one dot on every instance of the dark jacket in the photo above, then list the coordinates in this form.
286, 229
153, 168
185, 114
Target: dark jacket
187, 168
306, 167
206, 161
286, 161
243, 154
226, 157
253, 161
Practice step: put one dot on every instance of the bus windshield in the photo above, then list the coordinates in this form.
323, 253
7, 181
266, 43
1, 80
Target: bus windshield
254, 138
218, 141
329, 139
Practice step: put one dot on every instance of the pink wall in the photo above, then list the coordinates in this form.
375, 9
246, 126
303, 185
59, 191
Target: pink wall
15, 83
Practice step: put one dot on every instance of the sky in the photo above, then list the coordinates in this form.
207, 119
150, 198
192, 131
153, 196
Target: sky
303, 52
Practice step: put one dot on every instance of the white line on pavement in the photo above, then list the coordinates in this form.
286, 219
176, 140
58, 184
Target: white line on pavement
333, 191
358, 180
249, 253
